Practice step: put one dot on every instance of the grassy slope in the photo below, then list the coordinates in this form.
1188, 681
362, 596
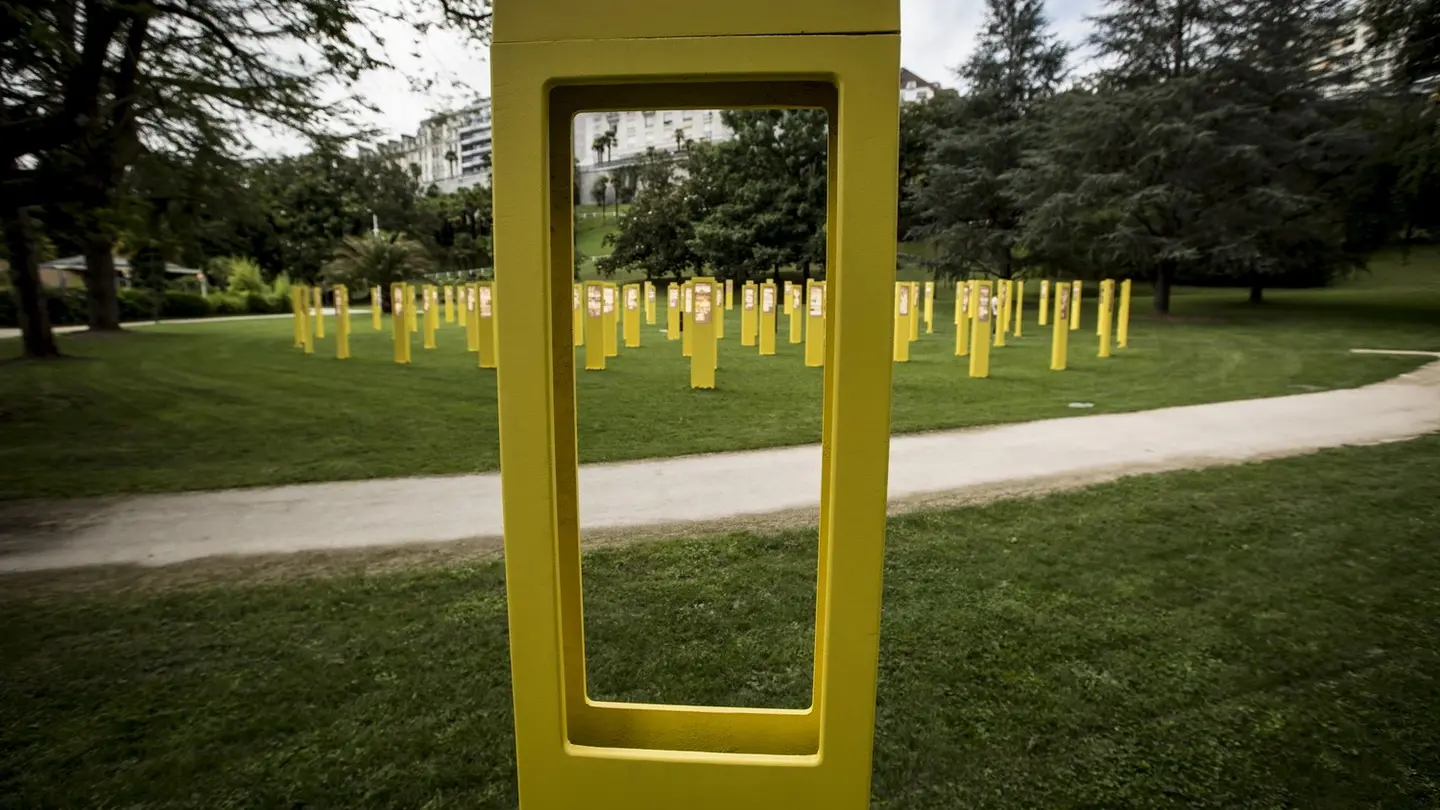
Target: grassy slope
232, 404
1261, 636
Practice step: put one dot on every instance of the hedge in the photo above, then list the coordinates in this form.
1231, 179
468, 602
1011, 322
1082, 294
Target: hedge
71, 308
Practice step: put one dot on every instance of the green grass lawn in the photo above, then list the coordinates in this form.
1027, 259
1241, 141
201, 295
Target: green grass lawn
233, 404
1260, 636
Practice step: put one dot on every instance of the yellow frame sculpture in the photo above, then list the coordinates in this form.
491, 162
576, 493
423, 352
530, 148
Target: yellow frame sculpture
551, 60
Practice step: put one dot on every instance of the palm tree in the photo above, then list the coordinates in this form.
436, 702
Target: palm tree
598, 147
451, 158
610, 143
370, 260
679, 138
597, 192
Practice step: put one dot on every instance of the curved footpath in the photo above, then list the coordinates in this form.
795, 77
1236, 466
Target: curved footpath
636, 497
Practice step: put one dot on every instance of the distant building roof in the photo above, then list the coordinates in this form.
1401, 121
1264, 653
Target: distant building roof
907, 76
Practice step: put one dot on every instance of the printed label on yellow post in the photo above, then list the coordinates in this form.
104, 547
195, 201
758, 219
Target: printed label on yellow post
399, 322
902, 324
702, 354
767, 318
1060, 339
594, 326
815, 327
612, 341
797, 313
749, 319
632, 316
980, 334
672, 313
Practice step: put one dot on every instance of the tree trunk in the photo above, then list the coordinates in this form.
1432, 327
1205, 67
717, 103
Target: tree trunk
1257, 294
100, 281
36, 337
1164, 278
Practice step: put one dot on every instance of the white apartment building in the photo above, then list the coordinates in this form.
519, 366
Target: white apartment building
450, 151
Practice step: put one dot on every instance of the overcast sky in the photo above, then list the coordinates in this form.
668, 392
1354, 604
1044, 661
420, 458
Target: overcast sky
936, 36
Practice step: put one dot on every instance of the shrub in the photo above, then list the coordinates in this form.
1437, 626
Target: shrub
281, 287
185, 305
243, 276
136, 305
228, 303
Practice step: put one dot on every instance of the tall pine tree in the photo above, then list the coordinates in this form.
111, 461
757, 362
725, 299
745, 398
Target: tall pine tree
967, 206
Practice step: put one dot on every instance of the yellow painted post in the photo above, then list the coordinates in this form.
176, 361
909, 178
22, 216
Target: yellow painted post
796, 328
577, 315
980, 329
630, 293
1060, 341
785, 298
815, 326
412, 310
1008, 303
430, 311
672, 312
551, 59
470, 296
296, 309
929, 307
718, 314
1044, 300
594, 326
687, 319
307, 329
649, 304
319, 296
749, 316
1018, 304
342, 321
376, 306
1107, 298
703, 356
400, 321
962, 319
1001, 308
915, 310
612, 320
450, 303
729, 293
767, 318
902, 323
1076, 294
1122, 327
485, 325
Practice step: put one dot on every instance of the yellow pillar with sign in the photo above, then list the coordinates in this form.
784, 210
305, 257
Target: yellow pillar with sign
1076, 293
1018, 304
980, 330
1001, 308
1107, 298
450, 303
672, 312
430, 311
768, 305
929, 307
1122, 326
412, 311
729, 293
485, 325
796, 327
785, 298
703, 357
550, 60
815, 325
630, 295
687, 319
649, 304
611, 310
376, 297
902, 323
1044, 300
914, 311
297, 310
399, 322
749, 314
307, 330
342, 321
594, 326
469, 298
962, 319
319, 319
1060, 340
719, 314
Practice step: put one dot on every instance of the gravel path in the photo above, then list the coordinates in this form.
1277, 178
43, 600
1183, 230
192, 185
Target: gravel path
766, 487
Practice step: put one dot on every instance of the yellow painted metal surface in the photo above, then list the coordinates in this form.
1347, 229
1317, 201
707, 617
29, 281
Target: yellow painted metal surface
1001, 310
450, 303
318, 332
431, 314
630, 314
594, 326
1077, 289
297, 314
376, 297
914, 310
980, 329
929, 307
342, 321
768, 307
815, 325
307, 329
703, 358
1018, 304
719, 314
649, 304
573, 751
687, 319
901, 349
1060, 341
796, 327
399, 322
962, 319
1044, 301
485, 310
749, 314
785, 300
471, 313
412, 310
532, 21
672, 312
729, 293
610, 301
1106, 316
1122, 323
